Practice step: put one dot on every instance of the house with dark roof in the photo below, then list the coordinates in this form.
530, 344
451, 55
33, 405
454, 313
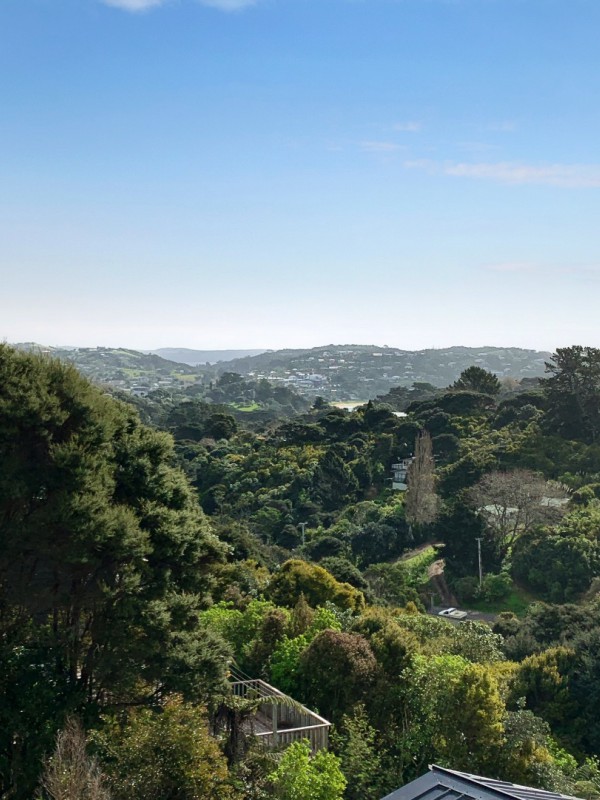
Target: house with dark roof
448, 784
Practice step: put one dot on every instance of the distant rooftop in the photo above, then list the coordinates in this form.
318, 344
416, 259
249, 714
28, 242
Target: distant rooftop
447, 784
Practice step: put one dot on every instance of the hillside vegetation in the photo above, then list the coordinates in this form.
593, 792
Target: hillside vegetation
335, 372
142, 563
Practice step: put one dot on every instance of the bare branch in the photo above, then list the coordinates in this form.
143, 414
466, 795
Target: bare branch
69, 773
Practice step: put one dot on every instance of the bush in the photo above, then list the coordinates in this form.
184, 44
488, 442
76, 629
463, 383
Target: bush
466, 588
496, 587
344, 571
166, 753
318, 585
330, 655
301, 776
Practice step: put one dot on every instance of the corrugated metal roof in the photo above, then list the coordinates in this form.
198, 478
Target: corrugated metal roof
448, 784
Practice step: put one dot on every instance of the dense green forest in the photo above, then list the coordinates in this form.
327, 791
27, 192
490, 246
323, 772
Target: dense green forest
153, 547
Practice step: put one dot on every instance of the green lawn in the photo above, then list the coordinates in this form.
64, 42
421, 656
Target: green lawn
418, 565
518, 601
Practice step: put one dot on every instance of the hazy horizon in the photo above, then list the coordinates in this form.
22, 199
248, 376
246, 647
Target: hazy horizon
301, 346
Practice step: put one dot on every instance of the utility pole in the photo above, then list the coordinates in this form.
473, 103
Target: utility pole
303, 526
479, 555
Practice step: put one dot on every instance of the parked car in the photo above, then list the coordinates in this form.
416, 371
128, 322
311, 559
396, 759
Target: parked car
454, 613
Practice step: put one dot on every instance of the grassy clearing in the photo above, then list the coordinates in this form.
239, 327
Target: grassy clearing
248, 407
131, 372
417, 566
518, 601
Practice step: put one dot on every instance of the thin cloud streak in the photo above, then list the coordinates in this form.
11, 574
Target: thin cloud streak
380, 147
144, 5
134, 5
228, 5
565, 176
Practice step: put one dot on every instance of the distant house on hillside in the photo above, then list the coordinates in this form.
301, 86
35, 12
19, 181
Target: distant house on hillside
447, 784
399, 473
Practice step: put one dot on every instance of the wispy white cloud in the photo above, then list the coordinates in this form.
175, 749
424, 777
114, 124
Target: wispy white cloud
143, 5
380, 147
566, 176
134, 5
408, 127
228, 5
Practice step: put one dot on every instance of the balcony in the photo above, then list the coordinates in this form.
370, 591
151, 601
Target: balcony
280, 720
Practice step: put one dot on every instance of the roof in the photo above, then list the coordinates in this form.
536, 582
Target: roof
448, 784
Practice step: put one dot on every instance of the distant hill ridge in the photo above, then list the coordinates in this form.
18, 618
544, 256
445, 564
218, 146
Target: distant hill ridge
493, 358
359, 372
336, 372
185, 355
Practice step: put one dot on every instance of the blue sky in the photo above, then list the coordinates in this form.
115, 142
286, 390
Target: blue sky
288, 173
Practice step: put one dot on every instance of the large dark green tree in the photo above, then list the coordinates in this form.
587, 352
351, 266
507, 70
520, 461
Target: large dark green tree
105, 560
573, 393
477, 379
334, 482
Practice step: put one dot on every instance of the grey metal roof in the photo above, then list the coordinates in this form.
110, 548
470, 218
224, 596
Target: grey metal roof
448, 784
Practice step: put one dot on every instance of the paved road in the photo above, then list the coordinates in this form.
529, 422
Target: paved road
474, 616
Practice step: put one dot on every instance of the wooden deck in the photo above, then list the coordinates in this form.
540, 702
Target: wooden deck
280, 720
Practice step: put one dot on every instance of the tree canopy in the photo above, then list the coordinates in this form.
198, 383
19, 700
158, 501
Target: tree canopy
105, 559
476, 379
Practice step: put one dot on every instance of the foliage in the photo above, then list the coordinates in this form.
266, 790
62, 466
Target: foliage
152, 755
285, 661
572, 393
476, 379
459, 527
393, 584
334, 482
70, 773
105, 562
358, 747
331, 654
393, 647
511, 503
496, 587
542, 680
252, 633
115, 593
560, 563
300, 776
344, 571
317, 585
460, 711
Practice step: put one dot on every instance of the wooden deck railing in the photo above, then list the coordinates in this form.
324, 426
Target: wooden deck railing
283, 721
